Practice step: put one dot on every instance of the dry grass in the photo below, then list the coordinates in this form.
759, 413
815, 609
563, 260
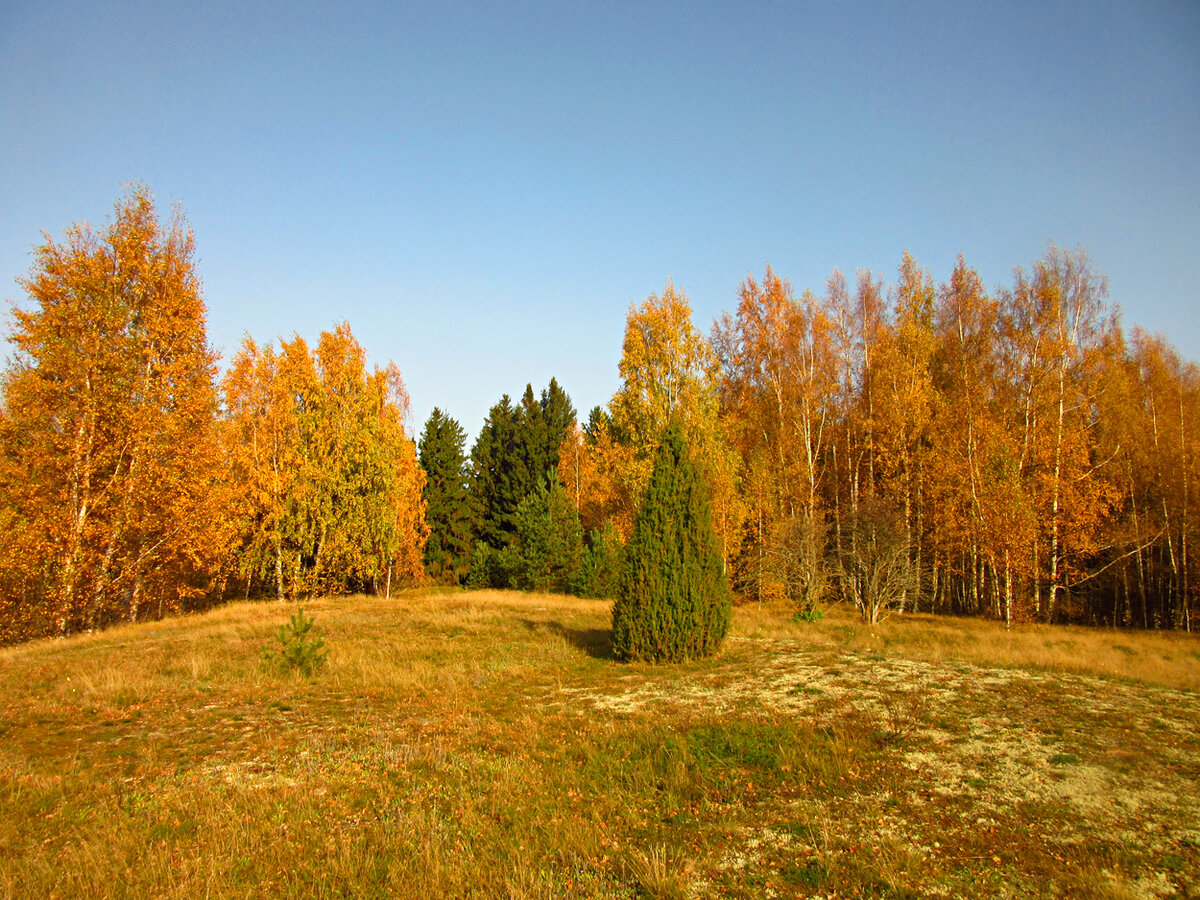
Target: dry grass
485, 745
1169, 659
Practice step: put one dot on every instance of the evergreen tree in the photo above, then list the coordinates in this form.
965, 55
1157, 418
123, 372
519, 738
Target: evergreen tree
674, 602
489, 567
546, 548
598, 420
600, 568
558, 418
494, 475
447, 497
529, 450
542, 426
516, 452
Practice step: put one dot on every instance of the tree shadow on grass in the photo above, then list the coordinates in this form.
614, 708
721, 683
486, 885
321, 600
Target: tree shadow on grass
595, 642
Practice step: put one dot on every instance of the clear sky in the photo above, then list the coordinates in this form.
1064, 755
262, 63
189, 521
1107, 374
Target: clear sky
482, 190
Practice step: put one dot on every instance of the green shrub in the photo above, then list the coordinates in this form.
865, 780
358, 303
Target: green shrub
300, 648
674, 602
546, 548
489, 567
599, 574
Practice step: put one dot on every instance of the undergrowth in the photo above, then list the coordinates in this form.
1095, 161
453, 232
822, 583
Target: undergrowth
300, 648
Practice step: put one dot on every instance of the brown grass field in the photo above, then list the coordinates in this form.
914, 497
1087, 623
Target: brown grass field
485, 745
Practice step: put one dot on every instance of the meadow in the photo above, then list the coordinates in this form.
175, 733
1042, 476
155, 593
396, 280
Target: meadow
486, 745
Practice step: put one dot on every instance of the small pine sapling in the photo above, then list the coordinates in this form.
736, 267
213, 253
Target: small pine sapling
301, 649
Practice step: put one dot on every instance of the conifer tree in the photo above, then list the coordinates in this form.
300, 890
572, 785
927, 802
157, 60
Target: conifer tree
558, 418
447, 498
492, 475
516, 451
674, 602
547, 546
529, 447
602, 564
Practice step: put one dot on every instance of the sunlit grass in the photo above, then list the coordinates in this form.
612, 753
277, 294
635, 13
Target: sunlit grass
1170, 659
485, 744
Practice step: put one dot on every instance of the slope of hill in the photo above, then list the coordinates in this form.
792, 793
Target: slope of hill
486, 745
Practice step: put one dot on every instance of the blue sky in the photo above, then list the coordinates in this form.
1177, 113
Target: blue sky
483, 190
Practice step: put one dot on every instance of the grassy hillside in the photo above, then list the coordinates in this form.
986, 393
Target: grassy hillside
485, 745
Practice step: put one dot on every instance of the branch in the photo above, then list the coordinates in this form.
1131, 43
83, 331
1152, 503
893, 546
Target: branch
1113, 562
1098, 466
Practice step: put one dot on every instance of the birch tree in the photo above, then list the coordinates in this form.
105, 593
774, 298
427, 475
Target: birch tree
109, 463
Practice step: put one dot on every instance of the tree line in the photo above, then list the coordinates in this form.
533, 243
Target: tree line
1011, 453
134, 484
942, 447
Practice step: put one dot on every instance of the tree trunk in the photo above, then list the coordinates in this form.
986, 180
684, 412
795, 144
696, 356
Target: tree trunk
1008, 593
278, 567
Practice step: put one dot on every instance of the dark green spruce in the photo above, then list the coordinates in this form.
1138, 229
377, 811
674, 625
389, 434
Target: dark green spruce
674, 603
516, 453
495, 475
448, 506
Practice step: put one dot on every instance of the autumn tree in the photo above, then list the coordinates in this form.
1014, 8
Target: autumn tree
870, 331
904, 403
777, 387
261, 440
794, 563
108, 473
668, 373
972, 460
1150, 428
843, 465
378, 529
590, 467
875, 570
665, 368
597, 467
347, 514
1058, 323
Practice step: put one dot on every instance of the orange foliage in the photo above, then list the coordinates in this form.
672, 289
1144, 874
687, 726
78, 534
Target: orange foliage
330, 495
109, 451
668, 371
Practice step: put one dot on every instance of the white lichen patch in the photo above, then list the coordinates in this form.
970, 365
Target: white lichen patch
963, 735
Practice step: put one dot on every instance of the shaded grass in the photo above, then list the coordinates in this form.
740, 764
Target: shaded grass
460, 745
